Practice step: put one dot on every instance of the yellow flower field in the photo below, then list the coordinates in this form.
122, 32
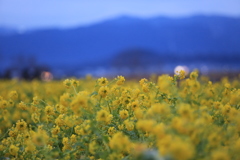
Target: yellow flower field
164, 118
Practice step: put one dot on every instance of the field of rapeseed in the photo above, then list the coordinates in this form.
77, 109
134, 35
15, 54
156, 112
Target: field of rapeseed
164, 118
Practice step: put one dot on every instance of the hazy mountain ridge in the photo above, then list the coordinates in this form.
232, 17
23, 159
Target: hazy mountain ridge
175, 39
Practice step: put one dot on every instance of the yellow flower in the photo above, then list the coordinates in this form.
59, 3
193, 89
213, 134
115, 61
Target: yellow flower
182, 74
145, 87
143, 81
56, 130
114, 156
13, 133
181, 150
78, 130
226, 109
217, 105
65, 99
123, 114
159, 130
85, 130
40, 138
2, 147
62, 109
30, 147
103, 91
49, 110
35, 100
185, 120
119, 142
13, 95
3, 104
22, 106
162, 109
125, 100
67, 83
120, 80
13, 150
138, 113
135, 93
92, 147
134, 105
104, 116
21, 125
214, 139
79, 101
121, 126
74, 82
165, 83
102, 81
146, 125
65, 141
220, 155
185, 110
129, 125
111, 130
60, 120
35, 117
194, 75
70, 121
73, 138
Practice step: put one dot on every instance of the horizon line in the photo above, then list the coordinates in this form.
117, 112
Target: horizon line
60, 27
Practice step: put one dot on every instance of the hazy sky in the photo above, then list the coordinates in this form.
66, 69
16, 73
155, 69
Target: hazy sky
29, 14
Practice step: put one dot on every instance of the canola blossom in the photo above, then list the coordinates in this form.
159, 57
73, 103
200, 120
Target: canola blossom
180, 117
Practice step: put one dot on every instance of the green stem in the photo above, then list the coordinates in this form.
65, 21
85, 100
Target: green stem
4, 135
74, 89
109, 108
111, 82
100, 101
43, 102
59, 147
107, 147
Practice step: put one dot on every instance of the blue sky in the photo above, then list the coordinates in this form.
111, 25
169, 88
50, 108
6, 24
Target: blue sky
32, 14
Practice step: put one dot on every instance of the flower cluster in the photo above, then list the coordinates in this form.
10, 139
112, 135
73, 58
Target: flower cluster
176, 117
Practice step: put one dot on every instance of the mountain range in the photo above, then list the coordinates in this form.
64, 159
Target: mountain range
124, 41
